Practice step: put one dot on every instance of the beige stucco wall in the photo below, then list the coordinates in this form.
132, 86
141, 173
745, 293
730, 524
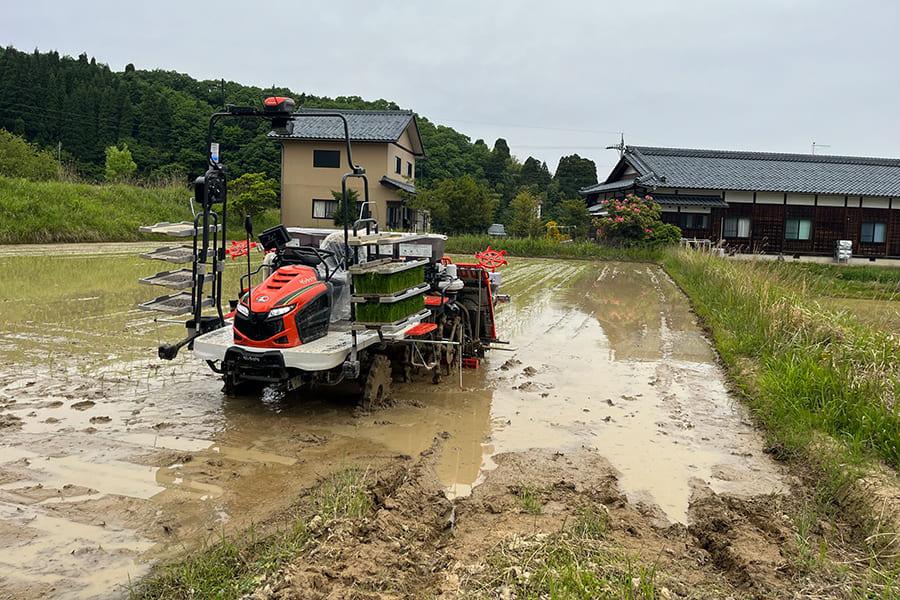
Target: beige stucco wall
833, 201
875, 203
801, 200
739, 196
767, 197
301, 182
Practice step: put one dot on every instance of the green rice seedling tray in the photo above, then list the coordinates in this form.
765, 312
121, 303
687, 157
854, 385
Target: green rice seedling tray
389, 298
388, 313
388, 277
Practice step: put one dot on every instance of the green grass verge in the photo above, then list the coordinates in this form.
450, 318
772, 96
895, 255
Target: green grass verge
805, 370
33, 212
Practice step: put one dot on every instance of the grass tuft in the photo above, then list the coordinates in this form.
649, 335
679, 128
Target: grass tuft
225, 569
41, 212
575, 563
344, 494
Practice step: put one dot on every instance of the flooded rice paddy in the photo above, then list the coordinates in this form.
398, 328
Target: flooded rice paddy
112, 458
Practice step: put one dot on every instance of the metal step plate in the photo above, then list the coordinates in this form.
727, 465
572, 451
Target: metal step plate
182, 229
174, 304
180, 279
173, 254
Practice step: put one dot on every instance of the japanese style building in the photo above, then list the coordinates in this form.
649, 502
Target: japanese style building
797, 204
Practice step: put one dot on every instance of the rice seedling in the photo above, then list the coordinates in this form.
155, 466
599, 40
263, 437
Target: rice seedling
529, 501
540, 247
388, 283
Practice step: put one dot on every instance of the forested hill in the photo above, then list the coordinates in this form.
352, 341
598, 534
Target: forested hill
77, 107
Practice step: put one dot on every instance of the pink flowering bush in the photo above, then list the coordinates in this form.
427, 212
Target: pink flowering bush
634, 221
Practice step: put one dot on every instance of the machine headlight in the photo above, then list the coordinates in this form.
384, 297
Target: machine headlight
243, 310
280, 310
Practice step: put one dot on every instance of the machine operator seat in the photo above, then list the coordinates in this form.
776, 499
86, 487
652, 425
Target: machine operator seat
340, 278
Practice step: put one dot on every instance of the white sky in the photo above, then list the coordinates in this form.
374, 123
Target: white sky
552, 78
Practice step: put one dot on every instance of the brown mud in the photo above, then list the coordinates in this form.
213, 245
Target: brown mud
608, 395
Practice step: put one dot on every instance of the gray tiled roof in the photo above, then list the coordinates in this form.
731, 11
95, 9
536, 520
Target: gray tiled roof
758, 171
689, 200
364, 126
400, 185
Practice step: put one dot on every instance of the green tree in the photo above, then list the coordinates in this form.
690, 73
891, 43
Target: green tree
252, 193
634, 221
574, 218
535, 175
526, 221
18, 158
459, 205
352, 203
119, 164
573, 174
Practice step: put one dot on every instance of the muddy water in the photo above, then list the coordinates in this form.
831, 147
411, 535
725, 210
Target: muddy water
112, 459
615, 361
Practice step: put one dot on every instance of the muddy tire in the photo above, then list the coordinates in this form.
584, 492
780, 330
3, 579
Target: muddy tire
377, 388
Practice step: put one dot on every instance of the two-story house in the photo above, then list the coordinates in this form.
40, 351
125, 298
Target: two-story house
385, 143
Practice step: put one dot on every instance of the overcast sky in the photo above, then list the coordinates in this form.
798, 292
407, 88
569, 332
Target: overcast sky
553, 78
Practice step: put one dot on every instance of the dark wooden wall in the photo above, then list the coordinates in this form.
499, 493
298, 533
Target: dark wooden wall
829, 224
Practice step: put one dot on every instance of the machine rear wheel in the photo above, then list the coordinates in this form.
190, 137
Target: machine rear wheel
377, 388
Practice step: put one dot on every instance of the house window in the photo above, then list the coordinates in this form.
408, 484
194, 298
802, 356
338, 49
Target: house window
736, 227
409, 170
797, 229
395, 214
694, 221
330, 159
872, 232
398, 165
324, 209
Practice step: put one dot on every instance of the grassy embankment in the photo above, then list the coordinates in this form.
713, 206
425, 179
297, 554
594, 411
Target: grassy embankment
33, 212
821, 379
813, 349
